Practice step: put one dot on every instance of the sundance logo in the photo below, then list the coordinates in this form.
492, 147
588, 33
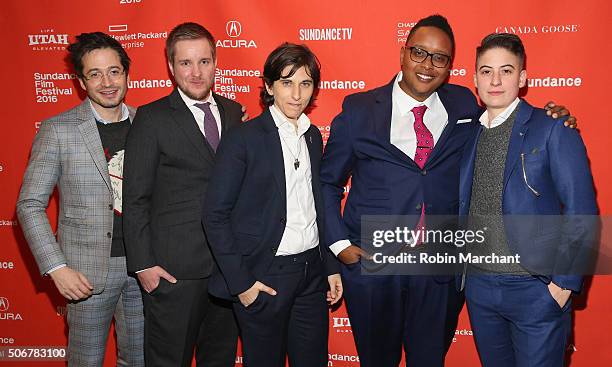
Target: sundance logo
4, 307
233, 29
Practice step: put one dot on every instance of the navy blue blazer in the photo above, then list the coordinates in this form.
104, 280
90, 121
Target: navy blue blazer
384, 180
546, 175
246, 209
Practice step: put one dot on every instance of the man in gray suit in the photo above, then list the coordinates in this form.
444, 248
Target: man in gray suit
81, 152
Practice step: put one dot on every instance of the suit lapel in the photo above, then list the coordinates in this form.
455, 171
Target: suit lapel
275, 153
516, 139
381, 115
89, 130
185, 121
453, 116
314, 152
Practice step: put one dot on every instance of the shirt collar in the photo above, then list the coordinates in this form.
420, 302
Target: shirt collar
499, 119
406, 103
191, 102
281, 122
125, 114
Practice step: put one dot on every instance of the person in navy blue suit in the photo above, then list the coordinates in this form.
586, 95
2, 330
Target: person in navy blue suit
522, 171
373, 141
264, 221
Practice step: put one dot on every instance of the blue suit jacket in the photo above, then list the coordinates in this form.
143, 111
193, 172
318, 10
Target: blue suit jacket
246, 209
552, 159
385, 181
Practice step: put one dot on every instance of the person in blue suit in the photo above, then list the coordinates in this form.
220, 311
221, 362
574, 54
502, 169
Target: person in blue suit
521, 172
401, 145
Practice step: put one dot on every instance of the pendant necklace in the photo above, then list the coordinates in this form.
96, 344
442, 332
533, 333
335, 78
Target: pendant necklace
296, 160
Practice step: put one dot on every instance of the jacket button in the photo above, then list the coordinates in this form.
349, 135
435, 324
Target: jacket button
424, 172
110, 206
418, 207
283, 220
109, 235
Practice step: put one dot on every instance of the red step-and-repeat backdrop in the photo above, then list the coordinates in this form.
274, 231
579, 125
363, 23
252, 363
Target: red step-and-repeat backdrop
358, 43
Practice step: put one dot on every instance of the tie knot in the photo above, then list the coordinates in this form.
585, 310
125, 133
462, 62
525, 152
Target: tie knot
203, 106
419, 110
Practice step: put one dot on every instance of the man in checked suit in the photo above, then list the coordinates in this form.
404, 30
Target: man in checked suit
169, 157
81, 152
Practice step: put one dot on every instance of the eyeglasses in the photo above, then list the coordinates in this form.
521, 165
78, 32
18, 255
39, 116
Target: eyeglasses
420, 55
113, 73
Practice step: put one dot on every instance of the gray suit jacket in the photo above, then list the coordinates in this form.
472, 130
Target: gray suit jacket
67, 152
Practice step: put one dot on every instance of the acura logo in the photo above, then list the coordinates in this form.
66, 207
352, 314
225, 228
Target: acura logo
4, 304
233, 28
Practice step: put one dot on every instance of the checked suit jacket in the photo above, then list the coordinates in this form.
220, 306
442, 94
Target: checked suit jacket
67, 152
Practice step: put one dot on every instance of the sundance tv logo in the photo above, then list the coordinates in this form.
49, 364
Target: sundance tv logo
233, 29
4, 308
48, 40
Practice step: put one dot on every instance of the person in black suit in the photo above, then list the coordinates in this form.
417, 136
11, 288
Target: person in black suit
263, 218
169, 156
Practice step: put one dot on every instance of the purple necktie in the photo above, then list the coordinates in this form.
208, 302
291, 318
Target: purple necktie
211, 131
423, 151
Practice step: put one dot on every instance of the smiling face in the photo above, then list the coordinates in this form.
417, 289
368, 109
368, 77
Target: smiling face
193, 67
499, 78
421, 79
105, 80
292, 94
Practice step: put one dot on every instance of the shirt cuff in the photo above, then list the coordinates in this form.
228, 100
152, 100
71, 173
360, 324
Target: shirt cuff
338, 246
140, 271
55, 268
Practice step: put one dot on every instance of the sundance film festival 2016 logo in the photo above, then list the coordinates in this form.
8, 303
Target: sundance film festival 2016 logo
4, 308
233, 29
48, 39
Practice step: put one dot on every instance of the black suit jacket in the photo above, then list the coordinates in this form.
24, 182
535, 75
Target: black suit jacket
167, 167
246, 209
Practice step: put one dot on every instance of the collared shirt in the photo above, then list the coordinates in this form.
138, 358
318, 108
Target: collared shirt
402, 128
402, 118
198, 114
301, 232
499, 119
125, 114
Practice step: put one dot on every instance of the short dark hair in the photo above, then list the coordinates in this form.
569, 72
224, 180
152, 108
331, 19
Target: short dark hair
87, 42
437, 21
296, 56
508, 41
188, 31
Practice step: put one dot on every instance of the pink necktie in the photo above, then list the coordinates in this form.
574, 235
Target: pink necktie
424, 137
425, 145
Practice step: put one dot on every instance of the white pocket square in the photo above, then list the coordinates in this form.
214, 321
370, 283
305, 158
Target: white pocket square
463, 121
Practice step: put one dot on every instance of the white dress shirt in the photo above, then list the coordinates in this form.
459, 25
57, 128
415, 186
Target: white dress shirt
198, 114
499, 119
301, 232
402, 128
